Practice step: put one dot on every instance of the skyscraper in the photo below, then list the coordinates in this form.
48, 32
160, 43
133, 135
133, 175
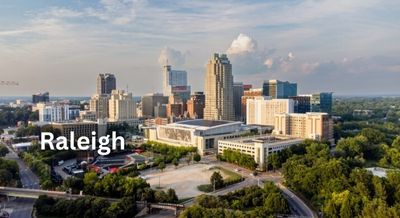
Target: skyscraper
219, 89
175, 81
321, 102
106, 83
238, 91
279, 89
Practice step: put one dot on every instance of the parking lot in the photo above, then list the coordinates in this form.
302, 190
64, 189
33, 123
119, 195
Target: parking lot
184, 180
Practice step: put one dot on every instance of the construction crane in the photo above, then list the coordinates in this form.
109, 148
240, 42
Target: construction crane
9, 83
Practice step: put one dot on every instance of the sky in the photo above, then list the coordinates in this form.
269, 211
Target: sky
347, 47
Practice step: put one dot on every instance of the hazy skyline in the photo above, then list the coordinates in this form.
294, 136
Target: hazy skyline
348, 47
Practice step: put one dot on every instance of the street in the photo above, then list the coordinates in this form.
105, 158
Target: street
20, 207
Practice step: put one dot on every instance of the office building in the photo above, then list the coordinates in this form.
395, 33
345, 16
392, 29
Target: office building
40, 97
150, 101
279, 89
301, 104
106, 83
195, 106
259, 147
203, 134
262, 109
248, 94
87, 115
175, 107
219, 89
247, 87
172, 78
54, 112
99, 105
321, 102
160, 111
311, 125
238, 92
121, 106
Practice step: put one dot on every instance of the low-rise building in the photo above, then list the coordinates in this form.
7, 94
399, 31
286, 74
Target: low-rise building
259, 147
203, 134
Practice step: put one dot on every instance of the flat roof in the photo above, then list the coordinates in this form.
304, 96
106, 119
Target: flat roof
204, 123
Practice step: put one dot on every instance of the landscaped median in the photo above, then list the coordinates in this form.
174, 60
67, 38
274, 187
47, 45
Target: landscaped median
219, 179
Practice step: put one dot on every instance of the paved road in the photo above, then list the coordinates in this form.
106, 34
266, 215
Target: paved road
297, 206
20, 207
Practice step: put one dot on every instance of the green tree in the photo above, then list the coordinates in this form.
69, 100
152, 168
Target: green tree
89, 180
196, 157
396, 142
273, 161
175, 161
3, 150
216, 180
171, 196
276, 202
161, 166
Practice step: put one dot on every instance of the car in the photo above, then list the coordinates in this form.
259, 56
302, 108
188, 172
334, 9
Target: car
237, 170
61, 162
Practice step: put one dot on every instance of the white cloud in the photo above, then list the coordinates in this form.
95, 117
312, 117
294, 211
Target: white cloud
242, 44
172, 57
269, 62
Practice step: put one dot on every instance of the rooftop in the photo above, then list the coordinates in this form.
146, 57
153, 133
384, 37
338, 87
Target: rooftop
204, 123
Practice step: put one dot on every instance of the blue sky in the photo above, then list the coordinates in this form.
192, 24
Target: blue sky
348, 47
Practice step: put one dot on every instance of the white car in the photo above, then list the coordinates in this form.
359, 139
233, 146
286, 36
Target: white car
61, 162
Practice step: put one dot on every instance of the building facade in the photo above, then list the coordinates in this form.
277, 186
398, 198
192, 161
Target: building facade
106, 83
219, 89
317, 126
121, 106
150, 101
301, 104
57, 112
203, 134
279, 89
99, 105
195, 106
238, 92
172, 78
262, 109
259, 147
248, 94
40, 97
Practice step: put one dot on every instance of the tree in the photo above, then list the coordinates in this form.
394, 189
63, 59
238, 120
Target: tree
396, 142
175, 161
196, 157
273, 161
374, 136
3, 150
276, 202
89, 180
216, 180
161, 166
171, 196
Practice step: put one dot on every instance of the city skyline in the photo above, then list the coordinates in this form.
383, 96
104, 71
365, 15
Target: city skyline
49, 47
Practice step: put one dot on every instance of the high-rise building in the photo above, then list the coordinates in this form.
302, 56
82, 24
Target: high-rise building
247, 87
150, 101
248, 94
99, 105
301, 104
238, 92
57, 112
195, 106
219, 89
40, 97
106, 83
311, 125
262, 110
175, 81
121, 106
321, 102
279, 89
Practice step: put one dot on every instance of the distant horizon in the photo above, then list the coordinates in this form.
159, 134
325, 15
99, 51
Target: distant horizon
61, 46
